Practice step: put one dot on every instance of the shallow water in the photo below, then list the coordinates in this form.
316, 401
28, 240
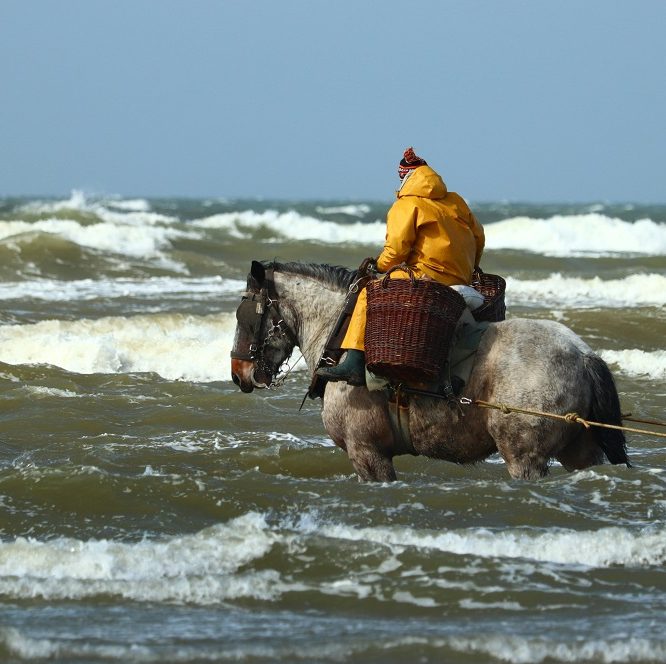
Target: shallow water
149, 511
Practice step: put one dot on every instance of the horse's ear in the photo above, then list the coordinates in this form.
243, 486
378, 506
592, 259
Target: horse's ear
258, 272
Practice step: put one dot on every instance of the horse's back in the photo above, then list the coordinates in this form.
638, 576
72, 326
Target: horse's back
536, 357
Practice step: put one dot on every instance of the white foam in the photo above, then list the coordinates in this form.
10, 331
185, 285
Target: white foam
202, 568
136, 205
130, 228
639, 363
130, 211
351, 210
636, 290
521, 650
294, 226
600, 548
30, 648
76, 201
136, 240
571, 235
503, 647
91, 289
41, 391
562, 235
175, 346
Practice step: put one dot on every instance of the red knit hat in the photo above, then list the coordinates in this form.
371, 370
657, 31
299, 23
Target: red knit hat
409, 162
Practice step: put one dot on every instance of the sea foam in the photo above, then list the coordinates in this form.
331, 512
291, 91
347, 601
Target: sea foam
203, 568
602, 548
351, 210
557, 290
581, 234
136, 240
294, 226
90, 289
638, 363
175, 346
533, 650
590, 234
132, 211
182, 347
216, 563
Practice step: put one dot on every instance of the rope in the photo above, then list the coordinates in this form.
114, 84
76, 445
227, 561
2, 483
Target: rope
656, 423
569, 417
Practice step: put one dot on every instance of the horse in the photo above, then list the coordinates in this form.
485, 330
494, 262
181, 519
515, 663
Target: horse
537, 364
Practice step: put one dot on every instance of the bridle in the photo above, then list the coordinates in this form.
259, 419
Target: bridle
256, 306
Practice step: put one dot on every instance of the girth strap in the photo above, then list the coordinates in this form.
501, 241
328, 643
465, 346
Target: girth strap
398, 410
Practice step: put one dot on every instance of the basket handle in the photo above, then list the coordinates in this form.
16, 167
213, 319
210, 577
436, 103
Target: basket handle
404, 268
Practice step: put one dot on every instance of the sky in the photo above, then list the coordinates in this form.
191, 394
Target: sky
511, 100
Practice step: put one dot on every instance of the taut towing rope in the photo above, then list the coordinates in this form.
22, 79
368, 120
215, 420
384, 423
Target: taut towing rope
569, 417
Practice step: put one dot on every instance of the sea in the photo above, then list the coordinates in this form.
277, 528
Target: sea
151, 512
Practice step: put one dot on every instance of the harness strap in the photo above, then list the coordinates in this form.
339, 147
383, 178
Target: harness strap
398, 410
332, 350
264, 301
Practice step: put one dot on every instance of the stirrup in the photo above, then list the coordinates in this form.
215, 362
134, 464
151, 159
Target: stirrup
352, 378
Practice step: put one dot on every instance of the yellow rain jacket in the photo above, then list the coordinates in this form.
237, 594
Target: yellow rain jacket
433, 231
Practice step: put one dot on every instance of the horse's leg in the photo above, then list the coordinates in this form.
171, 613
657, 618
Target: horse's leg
357, 420
370, 465
524, 446
582, 452
527, 467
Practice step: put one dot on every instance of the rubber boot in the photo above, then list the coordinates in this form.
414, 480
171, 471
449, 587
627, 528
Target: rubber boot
351, 371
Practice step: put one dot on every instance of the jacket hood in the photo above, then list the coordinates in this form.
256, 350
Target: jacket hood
423, 182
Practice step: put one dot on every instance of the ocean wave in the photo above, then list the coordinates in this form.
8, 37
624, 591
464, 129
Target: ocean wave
351, 210
490, 647
638, 363
606, 547
215, 564
91, 289
566, 235
294, 226
112, 209
203, 568
125, 227
179, 346
587, 233
337, 647
557, 290
136, 205
119, 238
175, 346
525, 650
579, 234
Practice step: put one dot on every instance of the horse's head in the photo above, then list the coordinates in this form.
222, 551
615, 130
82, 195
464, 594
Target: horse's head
263, 341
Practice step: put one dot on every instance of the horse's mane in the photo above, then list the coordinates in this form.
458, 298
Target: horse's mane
334, 275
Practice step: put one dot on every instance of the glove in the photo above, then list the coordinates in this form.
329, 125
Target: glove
368, 265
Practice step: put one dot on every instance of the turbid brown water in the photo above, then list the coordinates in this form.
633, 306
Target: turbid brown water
149, 511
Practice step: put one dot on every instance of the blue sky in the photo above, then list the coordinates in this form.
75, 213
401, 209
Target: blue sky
520, 100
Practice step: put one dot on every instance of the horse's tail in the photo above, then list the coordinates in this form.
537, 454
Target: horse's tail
605, 408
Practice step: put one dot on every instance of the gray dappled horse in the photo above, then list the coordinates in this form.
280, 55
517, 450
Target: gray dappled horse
532, 364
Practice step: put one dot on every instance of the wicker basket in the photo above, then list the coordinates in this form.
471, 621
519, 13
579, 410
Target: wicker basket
492, 287
410, 323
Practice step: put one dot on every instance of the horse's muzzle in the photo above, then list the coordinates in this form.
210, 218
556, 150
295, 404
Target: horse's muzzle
245, 375
241, 374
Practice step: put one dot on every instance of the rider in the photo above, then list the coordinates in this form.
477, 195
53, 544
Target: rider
430, 229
